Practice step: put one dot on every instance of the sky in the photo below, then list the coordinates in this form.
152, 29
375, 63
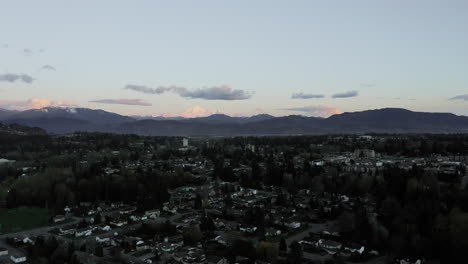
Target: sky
242, 57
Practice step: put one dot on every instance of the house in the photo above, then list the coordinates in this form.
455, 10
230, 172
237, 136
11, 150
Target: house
135, 218
102, 240
249, 230
221, 240
408, 261
355, 249
59, 218
140, 245
67, 231
217, 260
293, 225
18, 258
128, 210
148, 258
119, 222
3, 251
366, 137
329, 245
167, 247
85, 204
28, 240
83, 232
271, 232
318, 163
5, 161
153, 213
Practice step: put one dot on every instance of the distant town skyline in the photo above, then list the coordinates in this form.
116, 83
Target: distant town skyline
241, 58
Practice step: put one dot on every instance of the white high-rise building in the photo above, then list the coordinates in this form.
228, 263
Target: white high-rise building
185, 142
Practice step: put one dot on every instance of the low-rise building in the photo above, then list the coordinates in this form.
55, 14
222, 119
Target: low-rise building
3, 251
18, 258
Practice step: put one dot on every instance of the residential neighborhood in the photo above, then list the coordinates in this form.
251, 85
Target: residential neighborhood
324, 199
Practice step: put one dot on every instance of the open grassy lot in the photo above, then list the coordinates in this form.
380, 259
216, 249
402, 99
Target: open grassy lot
23, 218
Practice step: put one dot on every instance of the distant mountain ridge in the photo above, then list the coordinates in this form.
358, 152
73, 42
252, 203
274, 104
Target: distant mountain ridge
4, 113
65, 120
15, 129
386, 120
211, 118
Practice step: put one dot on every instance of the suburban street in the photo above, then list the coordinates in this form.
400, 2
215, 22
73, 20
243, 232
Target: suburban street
75, 220
30, 233
317, 228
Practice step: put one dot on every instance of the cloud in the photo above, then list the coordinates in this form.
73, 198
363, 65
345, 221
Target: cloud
12, 77
306, 96
216, 93
463, 97
210, 93
322, 111
48, 68
346, 94
123, 102
368, 85
35, 103
29, 52
148, 90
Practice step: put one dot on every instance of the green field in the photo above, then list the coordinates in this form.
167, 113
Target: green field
23, 218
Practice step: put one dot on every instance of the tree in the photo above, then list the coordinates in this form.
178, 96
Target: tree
83, 247
198, 201
40, 249
267, 251
192, 235
12, 199
347, 222
282, 245
207, 224
243, 248
97, 219
295, 252
363, 227
390, 209
60, 255
99, 251
459, 234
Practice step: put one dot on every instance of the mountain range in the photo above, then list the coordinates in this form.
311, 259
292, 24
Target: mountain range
19, 130
388, 120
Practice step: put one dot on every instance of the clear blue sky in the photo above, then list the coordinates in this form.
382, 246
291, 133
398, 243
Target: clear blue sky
410, 54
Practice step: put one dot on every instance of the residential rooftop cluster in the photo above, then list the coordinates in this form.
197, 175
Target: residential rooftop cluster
304, 199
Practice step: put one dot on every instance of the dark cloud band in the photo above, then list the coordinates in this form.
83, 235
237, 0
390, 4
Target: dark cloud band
210, 93
122, 102
12, 77
346, 94
306, 96
463, 97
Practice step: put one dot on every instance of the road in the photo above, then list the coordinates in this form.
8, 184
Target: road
45, 231
29, 233
317, 258
314, 228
